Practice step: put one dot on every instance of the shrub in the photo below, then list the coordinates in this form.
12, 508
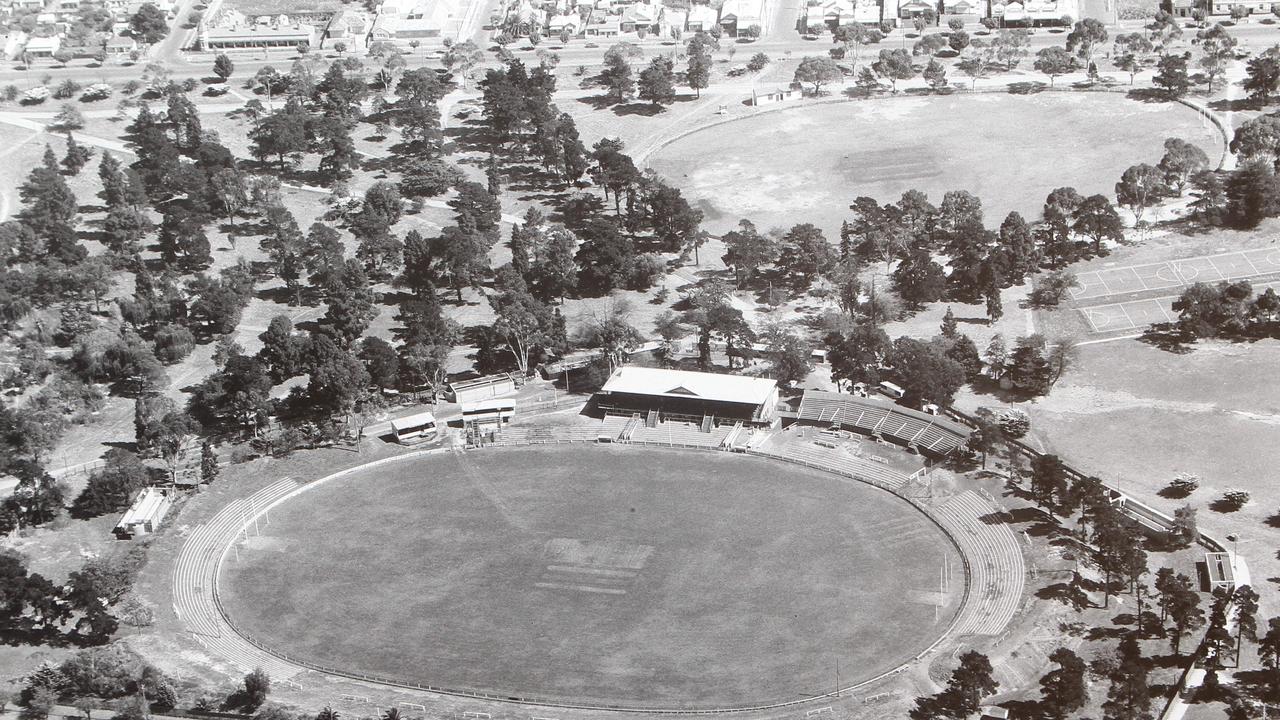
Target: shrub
173, 343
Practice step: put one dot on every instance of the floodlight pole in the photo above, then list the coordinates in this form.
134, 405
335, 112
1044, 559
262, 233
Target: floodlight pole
837, 676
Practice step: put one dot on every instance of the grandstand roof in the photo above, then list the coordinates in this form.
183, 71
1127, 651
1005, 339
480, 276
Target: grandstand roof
687, 384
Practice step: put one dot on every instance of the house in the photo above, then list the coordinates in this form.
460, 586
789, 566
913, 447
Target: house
43, 47
1178, 8
701, 17
347, 24
557, 24
738, 15
1224, 7
120, 45
145, 514
641, 18
28, 4
431, 20
1035, 12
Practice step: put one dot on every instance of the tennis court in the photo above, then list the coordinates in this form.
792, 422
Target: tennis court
1138, 315
1173, 274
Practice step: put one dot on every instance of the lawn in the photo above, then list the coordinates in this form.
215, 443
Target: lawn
820, 158
566, 574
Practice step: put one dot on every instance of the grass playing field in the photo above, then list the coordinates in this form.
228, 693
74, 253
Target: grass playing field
596, 574
808, 164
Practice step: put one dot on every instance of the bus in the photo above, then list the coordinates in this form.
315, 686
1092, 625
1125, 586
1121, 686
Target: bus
414, 429
892, 390
498, 411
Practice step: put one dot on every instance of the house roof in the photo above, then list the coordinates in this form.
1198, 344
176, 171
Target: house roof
658, 382
412, 421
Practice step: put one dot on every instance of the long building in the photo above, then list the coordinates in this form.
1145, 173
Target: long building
690, 395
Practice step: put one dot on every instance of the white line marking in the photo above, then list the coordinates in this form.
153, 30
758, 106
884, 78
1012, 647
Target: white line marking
1132, 324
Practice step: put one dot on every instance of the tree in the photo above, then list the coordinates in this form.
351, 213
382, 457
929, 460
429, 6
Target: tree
788, 354
958, 40
1253, 193
149, 24
1269, 652
1064, 689
1084, 39
1027, 367
461, 57
977, 62
77, 156
1171, 76
257, 685
924, 371
1262, 77
1012, 46
50, 211
177, 434
817, 71
1132, 53
747, 250
1048, 481
805, 254
1128, 697
617, 77
1218, 49
658, 82
208, 463
1054, 61
1139, 188
970, 683
1181, 161
894, 65
935, 74
1096, 218
919, 279
282, 135
1258, 139
223, 67
698, 73
929, 45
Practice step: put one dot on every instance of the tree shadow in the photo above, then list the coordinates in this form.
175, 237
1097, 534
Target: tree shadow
1224, 506
1167, 337
1148, 95
1030, 87
643, 109
1237, 105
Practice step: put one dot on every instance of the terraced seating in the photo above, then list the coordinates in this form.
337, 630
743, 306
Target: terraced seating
998, 572
678, 433
195, 575
838, 462
909, 427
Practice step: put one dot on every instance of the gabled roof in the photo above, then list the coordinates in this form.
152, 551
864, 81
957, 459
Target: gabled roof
714, 387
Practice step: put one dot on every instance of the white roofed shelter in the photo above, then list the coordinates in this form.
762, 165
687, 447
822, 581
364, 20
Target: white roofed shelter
416, 428
145, 514
690, 394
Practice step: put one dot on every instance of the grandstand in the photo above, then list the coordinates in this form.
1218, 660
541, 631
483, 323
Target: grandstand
927, 433
707, 399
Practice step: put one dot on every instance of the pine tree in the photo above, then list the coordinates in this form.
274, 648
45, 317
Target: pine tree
208, 463
950, 328
77, 156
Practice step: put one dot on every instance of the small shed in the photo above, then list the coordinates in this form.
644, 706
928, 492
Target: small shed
413, 429
145, 514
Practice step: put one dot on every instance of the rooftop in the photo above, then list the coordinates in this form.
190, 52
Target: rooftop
688, 384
